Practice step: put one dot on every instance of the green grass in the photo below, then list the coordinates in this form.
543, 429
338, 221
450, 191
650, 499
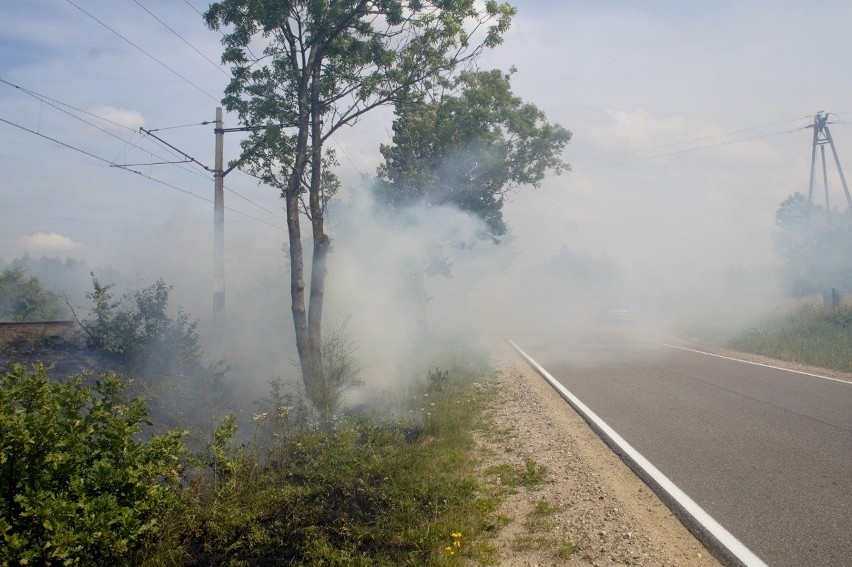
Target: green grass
809, 334
528, 475
373, 490
370, 492
541, 533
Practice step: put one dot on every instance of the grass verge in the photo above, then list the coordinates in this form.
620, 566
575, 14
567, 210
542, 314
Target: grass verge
369, 492
810, 334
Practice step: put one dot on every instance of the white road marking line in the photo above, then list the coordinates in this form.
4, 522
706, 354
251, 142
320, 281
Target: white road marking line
748, 361
723, 536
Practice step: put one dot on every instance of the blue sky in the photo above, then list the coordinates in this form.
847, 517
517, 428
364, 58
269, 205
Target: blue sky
623, 76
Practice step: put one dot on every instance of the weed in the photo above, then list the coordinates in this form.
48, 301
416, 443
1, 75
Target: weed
810, 334
544, 508
565, 548
531, 543
533, 474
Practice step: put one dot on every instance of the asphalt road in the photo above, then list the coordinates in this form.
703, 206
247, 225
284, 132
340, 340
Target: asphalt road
766, 452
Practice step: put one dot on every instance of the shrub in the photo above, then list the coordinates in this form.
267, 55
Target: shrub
137, 327
75, 484
26, 299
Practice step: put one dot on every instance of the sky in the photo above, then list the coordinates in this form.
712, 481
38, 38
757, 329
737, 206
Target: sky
688, 122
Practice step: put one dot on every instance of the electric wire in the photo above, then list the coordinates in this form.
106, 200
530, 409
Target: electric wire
205, 123
193, 7
69, 146
692, 140
160, 181
45, 97
339, 145
145, 52
52, 102
688, 150
219, 68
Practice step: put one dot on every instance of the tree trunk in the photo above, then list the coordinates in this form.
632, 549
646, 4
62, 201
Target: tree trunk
297, 280
321, 240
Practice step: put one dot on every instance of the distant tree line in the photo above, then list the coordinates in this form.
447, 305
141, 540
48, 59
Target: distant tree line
815, 246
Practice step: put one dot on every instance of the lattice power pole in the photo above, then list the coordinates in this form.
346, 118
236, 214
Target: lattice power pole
822, 136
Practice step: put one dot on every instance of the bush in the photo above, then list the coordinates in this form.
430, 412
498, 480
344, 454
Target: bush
26, 299
138, 328
75, 484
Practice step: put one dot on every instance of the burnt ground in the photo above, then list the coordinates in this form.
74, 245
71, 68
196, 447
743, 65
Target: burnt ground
65, 352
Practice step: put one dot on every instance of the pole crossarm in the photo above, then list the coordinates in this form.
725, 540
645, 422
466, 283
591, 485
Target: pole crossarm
822, 136
181, 152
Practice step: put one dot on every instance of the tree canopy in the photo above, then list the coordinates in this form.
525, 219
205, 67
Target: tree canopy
815, 246
24, 298
468, 144
302, 69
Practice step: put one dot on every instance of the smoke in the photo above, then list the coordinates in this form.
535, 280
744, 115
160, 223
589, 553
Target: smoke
408, 282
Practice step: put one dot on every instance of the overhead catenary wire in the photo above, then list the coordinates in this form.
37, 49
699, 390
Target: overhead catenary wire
205, 123
57, 103
160, 181
54, 103
45, 97
180, 37
206, 168
193, 7
339, 145
195, 86
61, 143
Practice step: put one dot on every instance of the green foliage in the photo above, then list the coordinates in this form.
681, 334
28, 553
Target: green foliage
342, 369
816, 246
76, 486
139, 328
809, 334
367, 493
301, 70
136, 336
24, 298
468, 145
362, 55
528, 475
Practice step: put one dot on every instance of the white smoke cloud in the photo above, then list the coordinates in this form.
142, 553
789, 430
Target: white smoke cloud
50, 243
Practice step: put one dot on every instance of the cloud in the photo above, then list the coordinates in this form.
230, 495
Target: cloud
129, 118
42, 243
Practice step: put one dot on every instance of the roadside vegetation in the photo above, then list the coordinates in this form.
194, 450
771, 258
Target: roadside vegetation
83, 480
23, 298
105, 470
807, 334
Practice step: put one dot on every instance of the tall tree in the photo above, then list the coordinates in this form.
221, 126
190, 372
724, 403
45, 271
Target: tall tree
468, 144
815, 246
305, 68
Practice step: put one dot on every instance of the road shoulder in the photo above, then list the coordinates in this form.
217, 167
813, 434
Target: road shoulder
597, 503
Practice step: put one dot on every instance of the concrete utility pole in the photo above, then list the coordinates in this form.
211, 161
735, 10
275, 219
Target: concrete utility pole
219, 227
219, 174
822, 136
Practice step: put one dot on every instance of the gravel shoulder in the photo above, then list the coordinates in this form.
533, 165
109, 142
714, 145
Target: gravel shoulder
591, 509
